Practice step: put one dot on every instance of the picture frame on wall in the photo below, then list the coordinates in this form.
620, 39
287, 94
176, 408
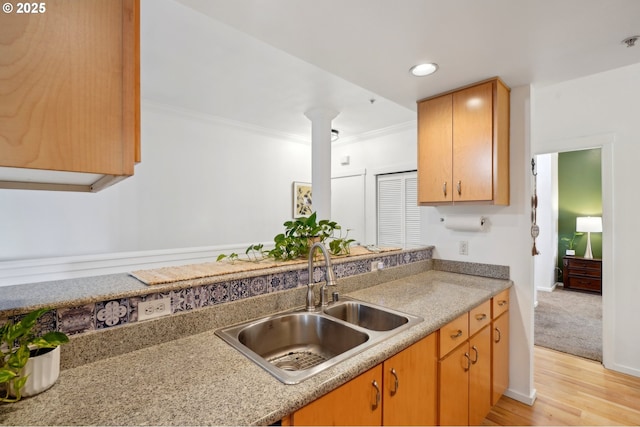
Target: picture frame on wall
302, 205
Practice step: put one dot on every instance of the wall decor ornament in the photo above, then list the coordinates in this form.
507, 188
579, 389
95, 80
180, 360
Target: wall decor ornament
302, 199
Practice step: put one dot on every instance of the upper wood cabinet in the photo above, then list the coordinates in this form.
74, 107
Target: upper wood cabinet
463, 146
69, 95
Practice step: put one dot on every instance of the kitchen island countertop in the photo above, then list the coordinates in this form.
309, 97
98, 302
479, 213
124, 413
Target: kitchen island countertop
201, 380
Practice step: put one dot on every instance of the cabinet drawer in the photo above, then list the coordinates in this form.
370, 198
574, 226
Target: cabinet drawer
479, 317
589, 272
453, 334
575, 263
500, 303
585, 283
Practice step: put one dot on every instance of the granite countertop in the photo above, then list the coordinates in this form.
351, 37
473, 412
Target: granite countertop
200, 380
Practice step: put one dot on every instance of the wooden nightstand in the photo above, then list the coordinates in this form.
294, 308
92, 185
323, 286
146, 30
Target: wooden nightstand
582, 274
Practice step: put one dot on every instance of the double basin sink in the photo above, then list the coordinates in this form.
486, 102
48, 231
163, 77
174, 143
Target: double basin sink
297, 344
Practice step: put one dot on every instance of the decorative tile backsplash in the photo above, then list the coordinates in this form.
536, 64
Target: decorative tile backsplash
117, 312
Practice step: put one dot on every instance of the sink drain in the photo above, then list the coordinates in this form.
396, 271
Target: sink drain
297, 361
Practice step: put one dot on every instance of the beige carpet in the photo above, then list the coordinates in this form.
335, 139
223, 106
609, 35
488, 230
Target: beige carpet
570, 322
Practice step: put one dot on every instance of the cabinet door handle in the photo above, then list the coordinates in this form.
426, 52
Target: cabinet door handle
444, 189
475, 360
396, 383
502, 302
375, 385
457, 335
481, 316
459, 188
466, 355
499, 335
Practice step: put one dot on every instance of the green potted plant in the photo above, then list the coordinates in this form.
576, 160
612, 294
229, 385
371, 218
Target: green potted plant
298, 237
29, 363
571, 243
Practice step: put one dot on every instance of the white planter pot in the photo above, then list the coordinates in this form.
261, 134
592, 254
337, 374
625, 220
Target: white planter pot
570, 252
43, 371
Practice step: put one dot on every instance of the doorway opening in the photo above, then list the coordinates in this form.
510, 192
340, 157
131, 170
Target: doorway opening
568, 314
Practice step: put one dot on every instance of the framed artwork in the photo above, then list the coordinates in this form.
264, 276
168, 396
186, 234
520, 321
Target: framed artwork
302, 199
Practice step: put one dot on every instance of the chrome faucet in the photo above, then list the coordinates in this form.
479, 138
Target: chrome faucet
330, 278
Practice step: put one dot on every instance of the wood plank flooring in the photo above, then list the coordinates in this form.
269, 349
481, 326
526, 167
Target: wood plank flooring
572, 391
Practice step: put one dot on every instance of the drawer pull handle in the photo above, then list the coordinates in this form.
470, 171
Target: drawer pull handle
375, 385
457, 335
474, 361
481, 316
502, 303
396, 382
499, 335
466, 355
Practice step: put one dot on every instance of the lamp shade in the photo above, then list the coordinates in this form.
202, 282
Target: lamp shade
592, 224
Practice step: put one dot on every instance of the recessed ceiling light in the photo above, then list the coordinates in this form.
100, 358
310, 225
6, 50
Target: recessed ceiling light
421, 70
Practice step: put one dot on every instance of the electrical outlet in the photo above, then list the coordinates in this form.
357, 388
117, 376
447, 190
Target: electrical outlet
464, 247
374, 265
154, 308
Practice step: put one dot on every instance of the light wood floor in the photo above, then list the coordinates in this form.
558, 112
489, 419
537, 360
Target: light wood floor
572, 391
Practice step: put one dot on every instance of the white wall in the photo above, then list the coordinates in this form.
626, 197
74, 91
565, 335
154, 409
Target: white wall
547, 220
386, 151
602, 109
201, 182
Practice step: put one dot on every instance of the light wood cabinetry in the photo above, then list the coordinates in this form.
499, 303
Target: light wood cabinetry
500, 346
463, 146
451, 377
410, 394
465, 372
358, 402
69, 95
407, 393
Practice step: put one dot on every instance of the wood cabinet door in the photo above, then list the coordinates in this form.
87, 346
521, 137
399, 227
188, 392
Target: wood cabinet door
357, 402
453, 393
473, 143
410, 385
69, 95
500, 357
434, 150
480, 376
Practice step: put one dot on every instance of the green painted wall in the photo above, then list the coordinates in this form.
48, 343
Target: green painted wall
579, 194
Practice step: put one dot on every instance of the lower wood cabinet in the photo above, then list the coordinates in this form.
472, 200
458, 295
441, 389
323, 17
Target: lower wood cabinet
500, 352
356, 403
399, 391
451, 377
465, 382
410, 393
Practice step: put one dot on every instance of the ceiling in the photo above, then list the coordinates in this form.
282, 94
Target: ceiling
264, 63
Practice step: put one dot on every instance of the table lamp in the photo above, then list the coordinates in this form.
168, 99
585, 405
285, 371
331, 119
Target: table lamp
589, 224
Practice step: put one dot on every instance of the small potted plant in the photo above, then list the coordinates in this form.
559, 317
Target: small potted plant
571, 243
29, 363
299, 235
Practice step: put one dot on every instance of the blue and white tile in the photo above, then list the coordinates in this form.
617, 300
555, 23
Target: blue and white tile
112, 313
197, 297
76, 320
219, 293
258, 285
238, 289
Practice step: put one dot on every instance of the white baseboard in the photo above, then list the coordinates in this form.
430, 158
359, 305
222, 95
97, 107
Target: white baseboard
60, 268
547, 288
520, 397
623, 369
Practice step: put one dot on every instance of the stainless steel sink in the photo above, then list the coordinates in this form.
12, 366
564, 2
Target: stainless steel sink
296, 341
367, 316
295, 345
